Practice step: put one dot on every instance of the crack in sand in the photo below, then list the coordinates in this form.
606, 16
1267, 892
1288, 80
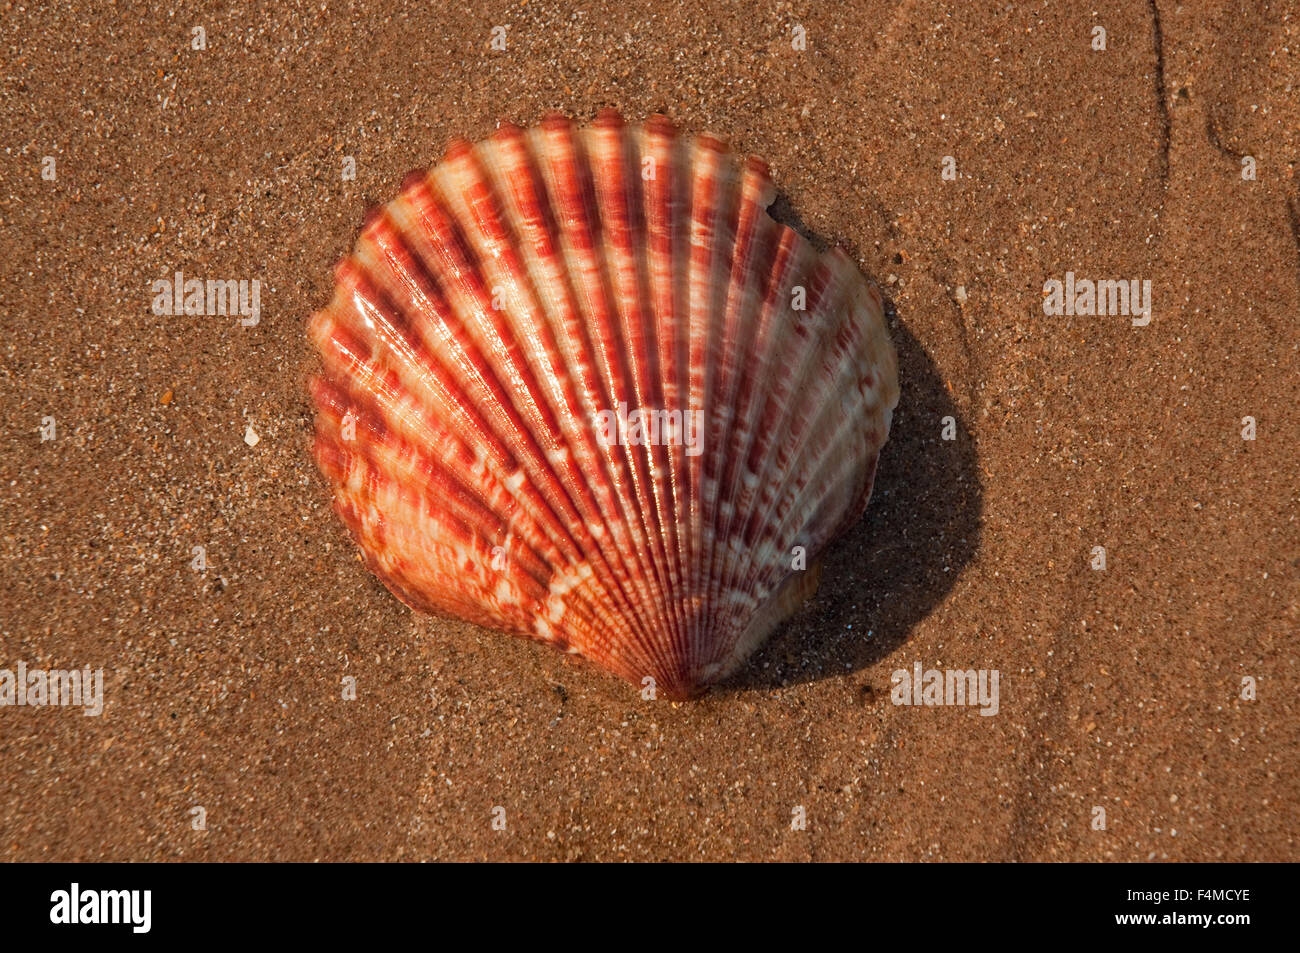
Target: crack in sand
1293, 215
1162, 96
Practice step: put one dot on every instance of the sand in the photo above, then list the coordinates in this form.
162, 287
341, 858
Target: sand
1119, 688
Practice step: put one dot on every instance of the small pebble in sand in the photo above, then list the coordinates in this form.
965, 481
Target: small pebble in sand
251, 437
960, 295
166, 398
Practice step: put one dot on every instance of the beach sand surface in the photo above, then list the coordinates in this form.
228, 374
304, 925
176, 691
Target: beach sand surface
1120, 689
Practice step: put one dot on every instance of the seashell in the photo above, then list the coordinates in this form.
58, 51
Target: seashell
578, 385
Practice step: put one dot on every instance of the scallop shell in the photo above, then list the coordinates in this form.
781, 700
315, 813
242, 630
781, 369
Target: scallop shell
569, 392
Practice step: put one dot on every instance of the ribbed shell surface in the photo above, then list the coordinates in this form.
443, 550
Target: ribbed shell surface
579, 386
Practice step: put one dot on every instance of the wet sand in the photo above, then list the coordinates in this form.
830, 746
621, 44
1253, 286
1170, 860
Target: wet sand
1119, 688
